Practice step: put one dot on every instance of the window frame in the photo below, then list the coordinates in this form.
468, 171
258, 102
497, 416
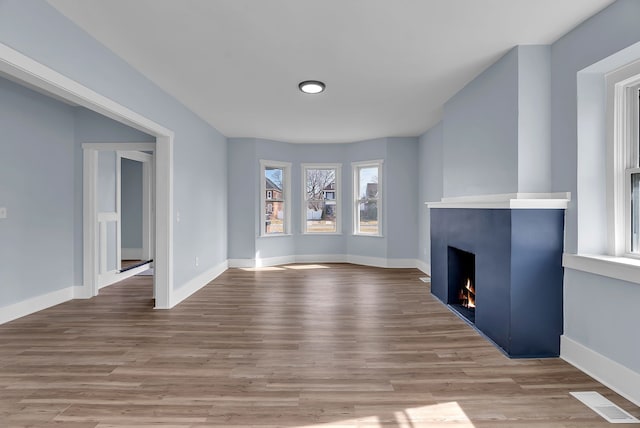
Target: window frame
338, 196
355, 173
623, 152
286, 197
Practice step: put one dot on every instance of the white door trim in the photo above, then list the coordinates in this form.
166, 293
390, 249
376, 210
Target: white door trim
40, 77
147, 200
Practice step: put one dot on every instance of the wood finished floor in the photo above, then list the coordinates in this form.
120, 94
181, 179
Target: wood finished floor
327, 345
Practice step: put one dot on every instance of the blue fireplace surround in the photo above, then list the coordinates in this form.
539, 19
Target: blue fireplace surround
518, 273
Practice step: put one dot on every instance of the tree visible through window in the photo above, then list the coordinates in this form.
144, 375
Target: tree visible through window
321, 198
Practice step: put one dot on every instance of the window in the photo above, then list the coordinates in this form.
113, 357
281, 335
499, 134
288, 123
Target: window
367, 191
275, 218
633, 176
623, 87
321, 205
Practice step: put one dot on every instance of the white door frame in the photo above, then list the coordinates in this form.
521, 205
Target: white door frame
95, 272
43, 79
147, 201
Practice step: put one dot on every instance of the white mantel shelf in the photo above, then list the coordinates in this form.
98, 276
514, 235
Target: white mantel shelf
514, 201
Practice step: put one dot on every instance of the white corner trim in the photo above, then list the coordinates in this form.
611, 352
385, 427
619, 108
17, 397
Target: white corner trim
622, 268
35, 304
424, 267
559, 200
197, 283
610, 373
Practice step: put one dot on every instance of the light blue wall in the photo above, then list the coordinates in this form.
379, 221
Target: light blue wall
430, 185
598, 310
480, 125
37, 188
131, 197
200, 159
534, 119
106, 185
601, 313
400, 217
402, 204
579, 49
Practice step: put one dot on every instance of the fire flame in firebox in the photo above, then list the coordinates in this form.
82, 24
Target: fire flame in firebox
468, 295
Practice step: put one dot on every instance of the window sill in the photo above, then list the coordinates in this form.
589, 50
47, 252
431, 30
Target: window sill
275, 235
622, 268
368, 236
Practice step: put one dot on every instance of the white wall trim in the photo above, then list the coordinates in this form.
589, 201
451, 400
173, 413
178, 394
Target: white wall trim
614, 375
622, 268
38, 76
198, 282
35, 304
424, 267
324, 258
559, 200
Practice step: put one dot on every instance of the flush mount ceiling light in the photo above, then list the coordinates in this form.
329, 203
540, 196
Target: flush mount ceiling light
311, 86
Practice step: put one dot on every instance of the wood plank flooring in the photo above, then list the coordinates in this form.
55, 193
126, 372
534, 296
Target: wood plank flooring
299, 346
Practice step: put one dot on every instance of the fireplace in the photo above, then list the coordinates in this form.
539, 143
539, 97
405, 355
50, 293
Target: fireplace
461, 278
497, 261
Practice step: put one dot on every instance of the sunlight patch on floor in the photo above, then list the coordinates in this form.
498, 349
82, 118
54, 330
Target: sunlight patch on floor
433, 416
262, 269
305, 267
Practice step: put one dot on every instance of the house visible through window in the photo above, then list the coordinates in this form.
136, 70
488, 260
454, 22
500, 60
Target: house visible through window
367, 185
275, 216
321, 205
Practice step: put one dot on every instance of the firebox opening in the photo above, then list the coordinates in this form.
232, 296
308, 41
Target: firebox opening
462, 287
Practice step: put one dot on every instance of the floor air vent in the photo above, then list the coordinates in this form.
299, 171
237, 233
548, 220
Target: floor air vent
605, 408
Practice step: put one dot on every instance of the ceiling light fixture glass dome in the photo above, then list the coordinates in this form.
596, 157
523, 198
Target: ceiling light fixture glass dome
311, 86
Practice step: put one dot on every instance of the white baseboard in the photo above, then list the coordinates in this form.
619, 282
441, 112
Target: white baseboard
197, 283
131, 254
424, 267
324, 258
35, 304
619, 378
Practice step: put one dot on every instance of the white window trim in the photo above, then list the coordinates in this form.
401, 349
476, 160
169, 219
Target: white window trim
338, 198
286, 188
355, 166
622, 136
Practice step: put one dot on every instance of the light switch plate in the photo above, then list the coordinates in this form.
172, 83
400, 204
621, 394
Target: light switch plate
3, 212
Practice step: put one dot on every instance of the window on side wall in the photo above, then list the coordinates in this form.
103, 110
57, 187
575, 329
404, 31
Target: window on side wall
623, 88
321, 200
275, 212
367, 192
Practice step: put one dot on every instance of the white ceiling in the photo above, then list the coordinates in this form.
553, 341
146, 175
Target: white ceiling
389, 65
